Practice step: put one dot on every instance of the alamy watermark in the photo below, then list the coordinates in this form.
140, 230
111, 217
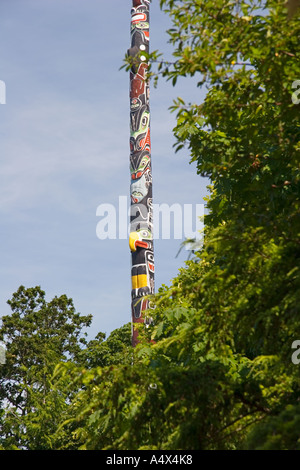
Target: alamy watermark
2, 92
296, 354
2, 353
296, 94
176, 221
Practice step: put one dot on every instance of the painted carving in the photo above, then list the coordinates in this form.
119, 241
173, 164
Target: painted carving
141, 219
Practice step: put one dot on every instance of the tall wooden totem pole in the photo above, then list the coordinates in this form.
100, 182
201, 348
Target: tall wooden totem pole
141, 217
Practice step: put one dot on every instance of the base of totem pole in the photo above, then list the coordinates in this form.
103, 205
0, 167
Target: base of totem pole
138, 306
139, 316
134, 331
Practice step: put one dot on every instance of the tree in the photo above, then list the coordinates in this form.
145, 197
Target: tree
101, 352
242, 291
245, 137
38, 335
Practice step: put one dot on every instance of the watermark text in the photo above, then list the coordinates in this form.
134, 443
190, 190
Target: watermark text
2, 92
175, 221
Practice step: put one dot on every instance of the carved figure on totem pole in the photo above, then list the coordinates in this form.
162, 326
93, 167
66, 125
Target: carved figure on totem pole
141, 218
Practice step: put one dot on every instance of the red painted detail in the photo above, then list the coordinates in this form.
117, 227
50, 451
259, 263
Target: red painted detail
151, 267
145, 143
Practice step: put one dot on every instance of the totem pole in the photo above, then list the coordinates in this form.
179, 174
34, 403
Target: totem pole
141, 216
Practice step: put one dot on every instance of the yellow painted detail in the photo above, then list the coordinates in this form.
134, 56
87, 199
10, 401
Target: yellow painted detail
139, 281
133, 237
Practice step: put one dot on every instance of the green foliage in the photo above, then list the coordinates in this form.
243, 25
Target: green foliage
37, 335
238, 300
48, 364
279, 432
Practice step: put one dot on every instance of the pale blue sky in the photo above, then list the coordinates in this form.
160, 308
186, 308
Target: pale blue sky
64, 150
